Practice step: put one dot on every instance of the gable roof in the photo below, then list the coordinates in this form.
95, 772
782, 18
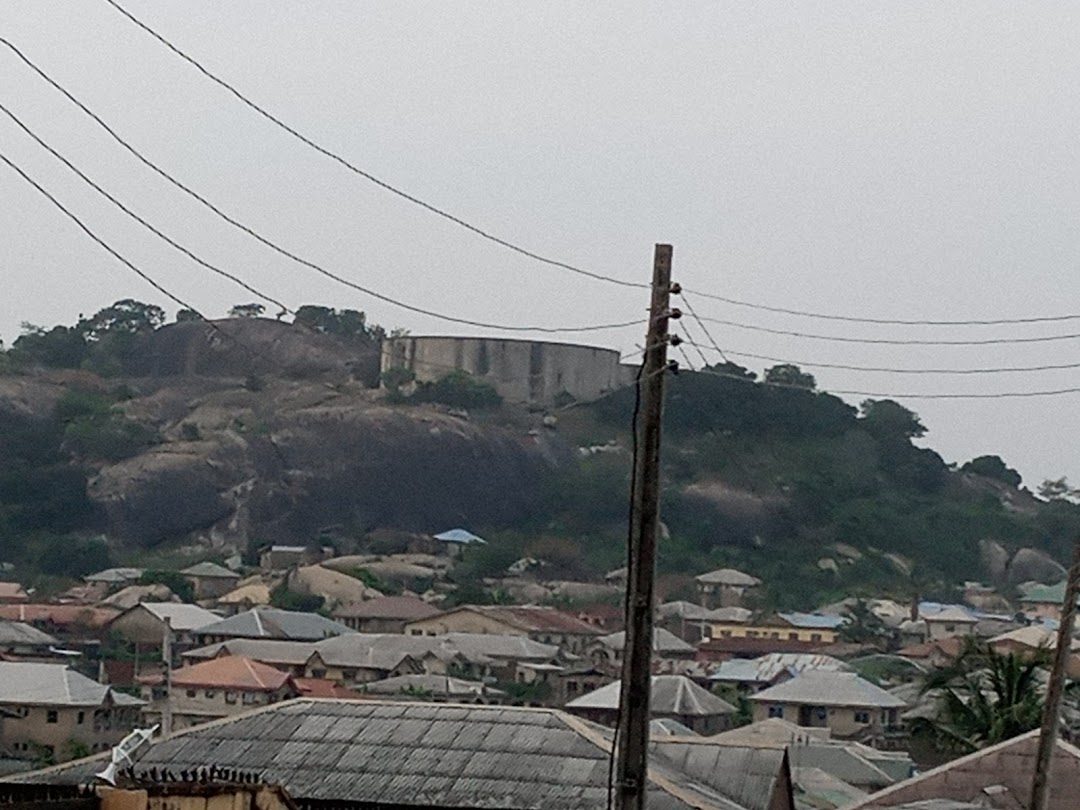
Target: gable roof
765, 668
813, 621
728, 576
50, 685
114, 576
269, 651
388, 607
663, 641
210, 570
180, 616
230, 672
1046, 594
953, 614
532, 618
59, 615
267, 622
460, 536
829, 688
1008, 765
20, 634
13, 592
750, 776
385, 753
670, 694
436, 685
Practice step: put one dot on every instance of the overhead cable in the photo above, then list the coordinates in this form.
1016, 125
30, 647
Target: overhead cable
278, 248
478, 231
893, 341
886, 321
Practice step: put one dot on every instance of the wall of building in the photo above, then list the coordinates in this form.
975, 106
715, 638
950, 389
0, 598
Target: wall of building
193, 705
783, 632
24, 728
842, 721
940, 630
523, 371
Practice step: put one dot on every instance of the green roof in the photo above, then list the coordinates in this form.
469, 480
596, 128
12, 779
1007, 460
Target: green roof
1053, 594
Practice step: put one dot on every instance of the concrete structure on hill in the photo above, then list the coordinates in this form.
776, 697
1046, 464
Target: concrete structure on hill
672, 697
543, 624
218, 688
849, 706
369, 753
48, 709
531, 372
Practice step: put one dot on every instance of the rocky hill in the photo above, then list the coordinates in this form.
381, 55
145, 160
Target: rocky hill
251, 431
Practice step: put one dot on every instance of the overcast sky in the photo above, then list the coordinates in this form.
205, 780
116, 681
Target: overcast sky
886, 160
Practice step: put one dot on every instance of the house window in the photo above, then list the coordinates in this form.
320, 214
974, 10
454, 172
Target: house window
415, 632
209, 694
862, 717
80, 717
571, 687
318, 673
725, 633
793, 636
950, 628
250, 697
815, 636
230, 697
51, 716
190, 693
776, 711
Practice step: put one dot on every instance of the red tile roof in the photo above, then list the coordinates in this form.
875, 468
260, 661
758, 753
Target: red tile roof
59, 615
229, 672
322, 688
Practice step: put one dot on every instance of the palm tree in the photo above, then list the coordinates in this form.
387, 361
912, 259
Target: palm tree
986, 696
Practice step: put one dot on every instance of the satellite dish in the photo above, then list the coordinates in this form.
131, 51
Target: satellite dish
121, 754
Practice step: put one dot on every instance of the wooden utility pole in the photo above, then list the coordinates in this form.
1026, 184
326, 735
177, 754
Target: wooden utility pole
166, 657
1040, 786
633, 730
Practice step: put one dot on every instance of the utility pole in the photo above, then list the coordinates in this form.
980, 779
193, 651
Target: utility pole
166, 656
632, 738
1048, 735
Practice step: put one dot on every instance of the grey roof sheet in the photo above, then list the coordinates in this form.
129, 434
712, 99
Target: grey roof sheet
441, 685
671, 694
746, 775
436, 755
48, 685
210, 569
181, 616
20, 634
663, 641
263, 622
829, 688
268, 651
766, 667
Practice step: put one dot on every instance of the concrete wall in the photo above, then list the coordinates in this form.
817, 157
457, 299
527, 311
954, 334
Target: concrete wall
522, 371
24, 727
842, 721
195, 705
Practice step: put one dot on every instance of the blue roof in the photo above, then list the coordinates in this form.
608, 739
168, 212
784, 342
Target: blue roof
816, 621
460, 536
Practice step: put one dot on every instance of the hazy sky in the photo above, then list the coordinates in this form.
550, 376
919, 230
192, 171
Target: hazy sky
886, 160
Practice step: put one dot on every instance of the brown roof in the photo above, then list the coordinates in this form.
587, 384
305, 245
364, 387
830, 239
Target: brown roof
1006, 768
322, 688
950, 647
12, 592
229, 672
721, 647
388, 607
75, 615
535, 619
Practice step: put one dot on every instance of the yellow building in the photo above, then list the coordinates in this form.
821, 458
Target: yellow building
802, 627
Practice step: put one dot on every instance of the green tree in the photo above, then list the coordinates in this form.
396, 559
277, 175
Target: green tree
172, 580
1058, 490
790, 375
863, 626
458, 389
187, 315
247, 311
886, 419
986, 697
993, 467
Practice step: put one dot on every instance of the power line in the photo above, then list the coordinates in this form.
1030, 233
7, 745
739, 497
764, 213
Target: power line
892, 341
886, 321
214, 269
708, 335
362, 172
890, 370
880, 395
284, 251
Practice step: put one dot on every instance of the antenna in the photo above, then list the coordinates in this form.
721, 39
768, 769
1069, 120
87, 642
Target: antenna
121, 754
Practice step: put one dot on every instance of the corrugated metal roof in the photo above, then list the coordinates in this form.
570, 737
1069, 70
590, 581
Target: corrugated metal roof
50, 685
438, 755
813, 621
181, 616
265, 622
766, 667
20, 634
664, 641
671, 694
728, 576
209, 569
829, 688
463, 536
